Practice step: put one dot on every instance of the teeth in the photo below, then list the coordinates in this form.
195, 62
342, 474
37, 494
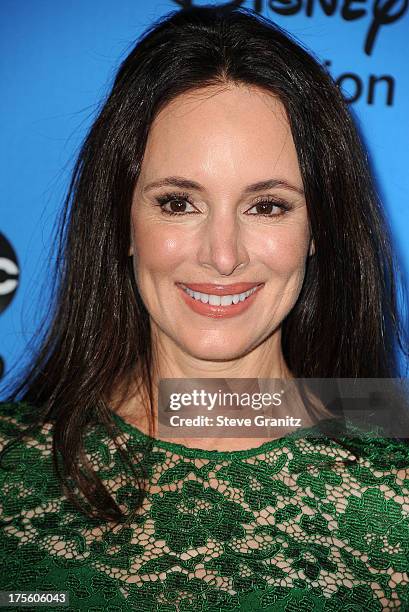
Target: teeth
219, 300
214, 300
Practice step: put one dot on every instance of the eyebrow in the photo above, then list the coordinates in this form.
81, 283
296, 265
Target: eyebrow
183, 183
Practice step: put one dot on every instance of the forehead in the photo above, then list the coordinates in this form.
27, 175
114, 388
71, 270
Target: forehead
231, 131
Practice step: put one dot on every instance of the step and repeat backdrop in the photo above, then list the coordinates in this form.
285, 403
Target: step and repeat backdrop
57, 61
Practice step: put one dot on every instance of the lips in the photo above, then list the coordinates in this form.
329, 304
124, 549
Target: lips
220, 289
216, 311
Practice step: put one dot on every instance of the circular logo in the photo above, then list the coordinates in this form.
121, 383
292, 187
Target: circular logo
9, 273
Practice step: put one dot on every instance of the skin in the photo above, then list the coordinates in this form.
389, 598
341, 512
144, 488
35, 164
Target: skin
224, 138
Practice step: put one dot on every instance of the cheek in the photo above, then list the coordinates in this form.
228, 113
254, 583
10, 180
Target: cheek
283, 250
158, 247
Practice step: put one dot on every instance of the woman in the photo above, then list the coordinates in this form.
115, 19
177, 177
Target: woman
223, 155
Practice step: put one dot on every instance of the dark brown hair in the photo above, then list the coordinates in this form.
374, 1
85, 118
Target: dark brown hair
96, 335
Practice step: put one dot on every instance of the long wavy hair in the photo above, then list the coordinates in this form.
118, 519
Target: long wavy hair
96, 335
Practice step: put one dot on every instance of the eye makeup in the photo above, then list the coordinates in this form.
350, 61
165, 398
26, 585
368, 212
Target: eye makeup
181, 198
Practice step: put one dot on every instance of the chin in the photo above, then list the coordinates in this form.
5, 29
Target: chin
216, 352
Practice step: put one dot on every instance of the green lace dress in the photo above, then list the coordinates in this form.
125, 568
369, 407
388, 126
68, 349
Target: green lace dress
288, 525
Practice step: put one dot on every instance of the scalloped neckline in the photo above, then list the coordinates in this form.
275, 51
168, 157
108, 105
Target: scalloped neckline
181, 449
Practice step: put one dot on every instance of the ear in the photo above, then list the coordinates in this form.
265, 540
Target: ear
312, 248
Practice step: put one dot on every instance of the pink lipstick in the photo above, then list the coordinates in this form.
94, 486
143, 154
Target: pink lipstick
219, 301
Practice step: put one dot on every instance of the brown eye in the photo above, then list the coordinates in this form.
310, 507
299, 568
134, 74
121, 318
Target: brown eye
175, 204
265, 208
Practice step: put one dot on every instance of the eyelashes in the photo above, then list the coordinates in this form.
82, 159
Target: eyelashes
181, 199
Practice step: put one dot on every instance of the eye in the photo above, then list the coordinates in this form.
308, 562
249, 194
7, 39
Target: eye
265, 206
177, 203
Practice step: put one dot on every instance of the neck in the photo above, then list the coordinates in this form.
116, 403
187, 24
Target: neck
170, 361
265, 360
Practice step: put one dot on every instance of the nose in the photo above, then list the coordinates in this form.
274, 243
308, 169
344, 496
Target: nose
222, 246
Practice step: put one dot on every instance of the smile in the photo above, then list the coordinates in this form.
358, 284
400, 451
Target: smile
219, 306
219, 300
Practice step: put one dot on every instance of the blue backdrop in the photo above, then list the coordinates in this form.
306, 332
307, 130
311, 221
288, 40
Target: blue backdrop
58, 60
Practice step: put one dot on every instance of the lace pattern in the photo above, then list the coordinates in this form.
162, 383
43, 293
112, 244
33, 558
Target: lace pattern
272, 528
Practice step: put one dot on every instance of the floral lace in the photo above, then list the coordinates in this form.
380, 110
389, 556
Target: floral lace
270, 528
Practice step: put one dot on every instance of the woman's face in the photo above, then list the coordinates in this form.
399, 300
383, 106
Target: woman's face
225, 230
